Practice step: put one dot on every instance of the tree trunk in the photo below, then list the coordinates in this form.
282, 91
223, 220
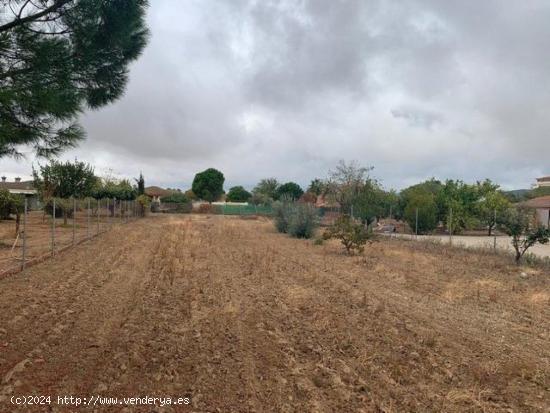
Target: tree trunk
64, 217
518, 257
17, 222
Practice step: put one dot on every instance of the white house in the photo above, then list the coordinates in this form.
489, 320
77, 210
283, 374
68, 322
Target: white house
542, 182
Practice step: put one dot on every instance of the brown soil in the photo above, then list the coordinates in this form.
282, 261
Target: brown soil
246, 320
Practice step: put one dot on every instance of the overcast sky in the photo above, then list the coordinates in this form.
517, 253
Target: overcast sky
449, 89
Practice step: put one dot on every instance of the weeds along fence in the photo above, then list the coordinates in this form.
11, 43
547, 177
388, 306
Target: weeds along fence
40, 234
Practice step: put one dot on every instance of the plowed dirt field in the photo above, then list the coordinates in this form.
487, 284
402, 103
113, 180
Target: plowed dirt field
242, 319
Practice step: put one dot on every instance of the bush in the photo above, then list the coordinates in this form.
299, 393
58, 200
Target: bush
281, 214
522, 226
144, 202
352, 234
238, 194
184, 208
302, 221
9, 204
296, 219
174, 198
424, 202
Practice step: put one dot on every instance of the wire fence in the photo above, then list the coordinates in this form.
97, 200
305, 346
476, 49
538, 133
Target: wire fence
37, 235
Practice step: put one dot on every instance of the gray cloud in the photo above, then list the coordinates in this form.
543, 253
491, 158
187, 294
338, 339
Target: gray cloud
417, 88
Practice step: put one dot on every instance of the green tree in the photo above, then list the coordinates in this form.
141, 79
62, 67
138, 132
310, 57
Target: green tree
175, 198
492, 204
346, 182
290, 189
208, 184
11, 204
521, 225
238, 194
140, 185
352, 234
422, 200
317, 187
266, 190
112, 188
372, 201
64, 180
58, 57
457, 205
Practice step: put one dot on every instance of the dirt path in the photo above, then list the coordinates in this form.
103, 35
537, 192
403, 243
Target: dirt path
241, 319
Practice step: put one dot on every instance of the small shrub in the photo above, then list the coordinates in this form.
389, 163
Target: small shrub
522, 226
174, 198
352, 234
144, 203
318, 241
184, 208
302, 221
281, 215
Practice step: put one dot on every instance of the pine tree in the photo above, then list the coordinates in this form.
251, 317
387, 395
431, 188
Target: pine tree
57, 58
141, 184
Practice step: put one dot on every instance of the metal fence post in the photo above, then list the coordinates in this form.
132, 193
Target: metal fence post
450, 226
53, 228
494, 231
416, 225
88, 220
24, 235
74, 221
98, 213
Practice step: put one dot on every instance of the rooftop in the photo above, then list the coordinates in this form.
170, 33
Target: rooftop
540, 202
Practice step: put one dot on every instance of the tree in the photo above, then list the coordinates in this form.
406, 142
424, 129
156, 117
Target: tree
520, 224
140, 185
266, 190
372, 202
457, 203
290, 189
65, 180
352, 234
317, 187
238, 194
345, 183
109, 187
422, 200
491, 205
11, 204
57, 58
190, 195
175, 198
208, 184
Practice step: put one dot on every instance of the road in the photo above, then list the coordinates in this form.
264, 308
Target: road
472, 241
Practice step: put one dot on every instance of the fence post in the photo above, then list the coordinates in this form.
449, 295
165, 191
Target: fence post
416, 225
494, 231
74, 221
450, 226
24, 234
53, 228
88, 220
98, 213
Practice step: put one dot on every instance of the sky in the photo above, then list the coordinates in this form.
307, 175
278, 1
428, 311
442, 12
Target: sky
285, 89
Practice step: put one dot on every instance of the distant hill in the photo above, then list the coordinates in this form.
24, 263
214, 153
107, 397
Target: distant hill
518, 194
